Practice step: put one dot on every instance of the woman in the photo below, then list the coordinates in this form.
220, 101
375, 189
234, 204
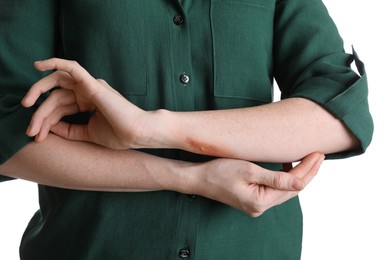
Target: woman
193, 81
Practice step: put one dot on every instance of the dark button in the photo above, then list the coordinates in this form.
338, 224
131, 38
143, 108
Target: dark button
184, 253
184, 78
178, 20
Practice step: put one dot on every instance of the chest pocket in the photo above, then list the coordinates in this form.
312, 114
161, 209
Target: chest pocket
108, 39
242, 49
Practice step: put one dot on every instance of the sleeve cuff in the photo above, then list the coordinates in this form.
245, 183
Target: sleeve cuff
350, 105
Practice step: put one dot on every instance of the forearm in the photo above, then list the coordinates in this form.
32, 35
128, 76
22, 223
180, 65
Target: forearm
284, 131
79, 165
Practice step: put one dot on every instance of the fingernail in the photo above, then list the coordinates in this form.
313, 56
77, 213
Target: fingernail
321, 157
28, 130
36, 63
24, 100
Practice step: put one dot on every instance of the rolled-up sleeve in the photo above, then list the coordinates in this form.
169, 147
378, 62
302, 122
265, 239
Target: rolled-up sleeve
310, 62
27, 34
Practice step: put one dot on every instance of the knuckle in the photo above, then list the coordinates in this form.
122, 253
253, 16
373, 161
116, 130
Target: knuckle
102, 81
252, 167
250, 170
277, 180
58, 81
46, 122
255, 214
256, 208
74, 63
55, 59
58, 96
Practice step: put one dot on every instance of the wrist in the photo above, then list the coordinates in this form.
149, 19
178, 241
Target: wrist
160, 131
184, 177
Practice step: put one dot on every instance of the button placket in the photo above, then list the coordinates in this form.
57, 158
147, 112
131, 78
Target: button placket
183, 92
182, 62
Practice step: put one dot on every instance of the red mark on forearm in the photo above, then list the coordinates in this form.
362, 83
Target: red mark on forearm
206, 149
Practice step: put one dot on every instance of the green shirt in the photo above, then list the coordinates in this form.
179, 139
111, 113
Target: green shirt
184, 56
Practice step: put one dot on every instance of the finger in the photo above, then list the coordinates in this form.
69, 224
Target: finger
70, 131
281, 180
283, 197
267, 197
54, 118
308, 167
58, 78
292, 180
271, 197
305, 171
56, 99
311, 166
77, 72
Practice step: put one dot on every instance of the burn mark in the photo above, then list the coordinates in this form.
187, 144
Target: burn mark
206, 149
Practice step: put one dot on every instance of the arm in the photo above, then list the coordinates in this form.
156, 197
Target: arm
82, 165
259, 133
86, 166
324, 106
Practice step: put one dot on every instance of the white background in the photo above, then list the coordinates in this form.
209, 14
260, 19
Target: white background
346, 208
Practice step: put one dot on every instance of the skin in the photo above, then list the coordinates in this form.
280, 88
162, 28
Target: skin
118, 125
234, 133
86, 166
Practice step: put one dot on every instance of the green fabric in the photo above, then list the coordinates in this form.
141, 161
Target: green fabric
232, 51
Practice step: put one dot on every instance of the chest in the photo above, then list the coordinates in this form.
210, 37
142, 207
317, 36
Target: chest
144, 47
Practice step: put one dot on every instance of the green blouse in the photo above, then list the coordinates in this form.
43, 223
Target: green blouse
180, 55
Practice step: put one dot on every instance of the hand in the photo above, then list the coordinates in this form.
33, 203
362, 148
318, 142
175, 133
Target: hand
253, 189
115, 123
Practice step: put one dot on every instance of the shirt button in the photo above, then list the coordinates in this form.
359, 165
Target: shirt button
184, 78
178, 20
184, 253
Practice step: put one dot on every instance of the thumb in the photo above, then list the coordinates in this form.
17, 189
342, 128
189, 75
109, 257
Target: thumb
297, 178
70, 131
308, 167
